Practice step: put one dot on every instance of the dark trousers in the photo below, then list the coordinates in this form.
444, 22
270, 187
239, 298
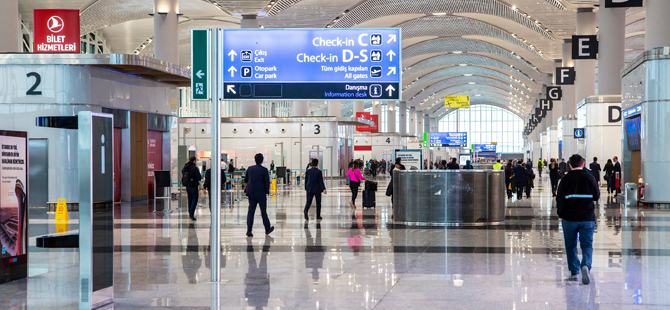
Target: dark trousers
192, 193
318, 203
354, 190
554, 185
263, 204
539, 171
582, 231
528, 189
519, 190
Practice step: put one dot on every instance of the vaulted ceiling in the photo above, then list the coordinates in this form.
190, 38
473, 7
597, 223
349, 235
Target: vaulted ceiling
497, 50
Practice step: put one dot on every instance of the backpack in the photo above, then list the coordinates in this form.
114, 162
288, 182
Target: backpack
188, 179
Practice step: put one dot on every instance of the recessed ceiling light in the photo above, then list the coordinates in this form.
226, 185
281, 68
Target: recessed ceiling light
467, 74
471, 83
463, 65
440, 13
457, 52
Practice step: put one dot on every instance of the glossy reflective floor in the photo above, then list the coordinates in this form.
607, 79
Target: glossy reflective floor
364, 261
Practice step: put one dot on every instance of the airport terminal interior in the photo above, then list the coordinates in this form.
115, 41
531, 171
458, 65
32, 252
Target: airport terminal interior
334, 154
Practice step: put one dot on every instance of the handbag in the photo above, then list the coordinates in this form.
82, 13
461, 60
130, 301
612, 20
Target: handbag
389, 189
348, 180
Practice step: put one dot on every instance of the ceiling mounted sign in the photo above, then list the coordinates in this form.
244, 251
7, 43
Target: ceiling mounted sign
623, 3
554, 93
565, 76
584, 47
546, 105
457, 101
56, 31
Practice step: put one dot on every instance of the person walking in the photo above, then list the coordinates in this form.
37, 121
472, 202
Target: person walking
190, 178
553, 176
373, 168
540, 166
595, 170
314, 186
617, 168
509, 180
453, 165
354, 176
519, 179
468, 166
530, 177
208, 183
272, 166
257, 179
562, 168
609, 168
576, 211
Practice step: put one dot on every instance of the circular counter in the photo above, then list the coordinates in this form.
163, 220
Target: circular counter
449, 196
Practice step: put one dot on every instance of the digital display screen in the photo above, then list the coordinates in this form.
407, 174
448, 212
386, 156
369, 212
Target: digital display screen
13, 205
633, 128
446, 139
103, 202
485, 148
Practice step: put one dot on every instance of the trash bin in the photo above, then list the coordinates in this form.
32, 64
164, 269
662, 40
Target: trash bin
631, 194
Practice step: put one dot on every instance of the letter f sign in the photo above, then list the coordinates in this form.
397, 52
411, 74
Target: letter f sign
565, 76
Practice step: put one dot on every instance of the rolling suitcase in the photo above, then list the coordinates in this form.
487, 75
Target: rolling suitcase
369, 199
371, 186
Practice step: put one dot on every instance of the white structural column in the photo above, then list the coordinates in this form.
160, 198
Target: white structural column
300, 108
585, 81
412, 121
426, 123
403, 117
335, 108
166, 29
250, 108
556, 112
377, 108
390, 116
658, 21
419, 123
434, 125
359, 106
611, 58
569, 145
10, 41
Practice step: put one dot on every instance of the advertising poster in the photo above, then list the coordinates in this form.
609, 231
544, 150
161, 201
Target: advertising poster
13, 203
411, 159
154, 157
363, 115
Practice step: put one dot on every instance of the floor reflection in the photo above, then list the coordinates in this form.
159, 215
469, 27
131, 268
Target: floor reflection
257, 279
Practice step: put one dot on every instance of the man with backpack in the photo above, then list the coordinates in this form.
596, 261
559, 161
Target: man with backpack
190, 178
576, 211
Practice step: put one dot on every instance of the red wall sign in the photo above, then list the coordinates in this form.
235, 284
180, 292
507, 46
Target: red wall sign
56, 31
375, 127
363, 115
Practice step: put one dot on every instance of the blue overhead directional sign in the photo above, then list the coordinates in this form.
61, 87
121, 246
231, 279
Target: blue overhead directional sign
323, 64
485, 148
439, 139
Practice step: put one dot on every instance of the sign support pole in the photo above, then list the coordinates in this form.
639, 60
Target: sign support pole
215, 203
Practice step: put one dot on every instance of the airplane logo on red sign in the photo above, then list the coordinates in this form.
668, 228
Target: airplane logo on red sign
55, 24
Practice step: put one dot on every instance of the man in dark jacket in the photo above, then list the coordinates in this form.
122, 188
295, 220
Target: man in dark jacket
453, 165
595, 170
519, 178
257, 179
208, 184
314, 186
191, 180
617, 168
562, 168
574, 205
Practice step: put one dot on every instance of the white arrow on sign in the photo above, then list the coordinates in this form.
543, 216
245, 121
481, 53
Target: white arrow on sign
231, 89
390, 90
391, 71
200, 74
390, 54
232, 71
392, 38
232, 55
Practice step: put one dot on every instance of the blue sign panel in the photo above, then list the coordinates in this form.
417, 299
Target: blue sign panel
579, 133
323, 64
485, 148
632, 111
439, 139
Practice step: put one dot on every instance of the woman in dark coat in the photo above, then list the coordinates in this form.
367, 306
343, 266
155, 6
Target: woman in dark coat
509, 180
553, 176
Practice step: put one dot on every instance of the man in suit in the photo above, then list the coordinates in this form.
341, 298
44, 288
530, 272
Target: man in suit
208, 183
257, 179
519, 178
595, 169
314, 186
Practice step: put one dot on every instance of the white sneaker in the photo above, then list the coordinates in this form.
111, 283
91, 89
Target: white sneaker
585, 275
